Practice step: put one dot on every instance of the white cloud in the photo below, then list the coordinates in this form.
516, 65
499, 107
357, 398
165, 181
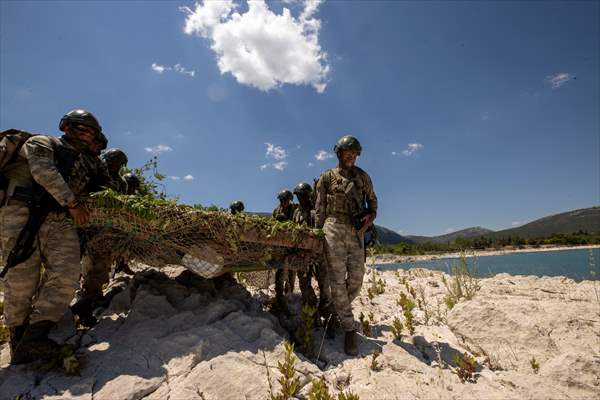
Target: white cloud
174, 178
188, 177
264, 166
412, 148
515, 223
276, 152
161, 148
177, 68
260, 48
322, 155
280, 166
310, 164
182, 70
394, 153
449, 230
559, 79
158, 68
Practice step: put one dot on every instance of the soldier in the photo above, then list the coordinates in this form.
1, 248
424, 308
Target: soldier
48, 174
284, 212
346, 207
133, 182
96, 267
115, 159
304, 214
237, 207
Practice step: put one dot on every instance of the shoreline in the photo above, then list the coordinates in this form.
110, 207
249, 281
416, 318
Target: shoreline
389, 258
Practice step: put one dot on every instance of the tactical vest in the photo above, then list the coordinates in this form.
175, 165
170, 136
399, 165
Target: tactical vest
338, 204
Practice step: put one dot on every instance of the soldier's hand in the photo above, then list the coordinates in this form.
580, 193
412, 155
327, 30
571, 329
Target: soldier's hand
79, 213
367, 221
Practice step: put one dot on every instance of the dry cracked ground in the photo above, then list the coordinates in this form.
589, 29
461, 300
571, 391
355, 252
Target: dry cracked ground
171, 335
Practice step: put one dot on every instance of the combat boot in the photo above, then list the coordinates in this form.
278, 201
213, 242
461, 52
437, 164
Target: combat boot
16, 334
35, 344
351, 343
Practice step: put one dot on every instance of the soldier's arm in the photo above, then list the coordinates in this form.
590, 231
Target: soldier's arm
370, 195
39, 153
321, 204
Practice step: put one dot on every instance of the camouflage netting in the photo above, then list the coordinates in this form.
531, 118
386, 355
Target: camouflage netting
210, 243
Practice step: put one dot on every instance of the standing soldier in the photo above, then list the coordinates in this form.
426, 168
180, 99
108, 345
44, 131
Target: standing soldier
304, 214
237, 207
37, 222
346, 207
115, 159
96, 267
133, 182
282, 213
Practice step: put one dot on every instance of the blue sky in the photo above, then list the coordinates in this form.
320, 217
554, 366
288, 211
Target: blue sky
470, 113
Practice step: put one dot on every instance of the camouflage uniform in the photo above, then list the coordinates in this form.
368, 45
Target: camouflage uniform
284, 279
96, 267
305, 215
343, 244
33, 294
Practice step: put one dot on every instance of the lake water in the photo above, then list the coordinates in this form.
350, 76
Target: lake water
574, 264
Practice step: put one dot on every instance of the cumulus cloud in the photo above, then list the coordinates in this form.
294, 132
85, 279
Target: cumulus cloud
161, 148
322, 155
515, 223
412, 148
559, 79
449, 230
185, 178
160, 69
276, 153
259, 47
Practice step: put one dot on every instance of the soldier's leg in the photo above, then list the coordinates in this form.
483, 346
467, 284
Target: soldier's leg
95, 274
21, 281
308, 294
280, 289
335, 250
59, 246
356, 266
291, 282
325, 301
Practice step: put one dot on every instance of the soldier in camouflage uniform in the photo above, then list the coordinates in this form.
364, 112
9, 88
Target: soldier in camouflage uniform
115, 160
304, 214
96, 267
284, 279
36, 298
237, 207
346, 207
133, 182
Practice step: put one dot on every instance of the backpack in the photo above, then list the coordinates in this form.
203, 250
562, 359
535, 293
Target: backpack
11, 142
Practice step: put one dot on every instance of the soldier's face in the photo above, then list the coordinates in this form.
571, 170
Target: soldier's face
347, 158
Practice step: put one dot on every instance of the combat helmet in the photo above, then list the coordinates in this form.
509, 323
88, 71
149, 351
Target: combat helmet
236, 207
133, 182
303, 189
347, 142
114, 157
285, 195
80, 117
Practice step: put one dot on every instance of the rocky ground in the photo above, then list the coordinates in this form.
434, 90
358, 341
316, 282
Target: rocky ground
171, 335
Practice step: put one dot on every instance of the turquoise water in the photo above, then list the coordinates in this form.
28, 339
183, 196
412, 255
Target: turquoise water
574, 264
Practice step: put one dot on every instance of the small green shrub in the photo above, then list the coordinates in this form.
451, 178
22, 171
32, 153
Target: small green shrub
289, 382
305, 330
407, 307
397, 328
465, 367
365, 324
463, 284
348, 396
535, 366
319, 391
375, 366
